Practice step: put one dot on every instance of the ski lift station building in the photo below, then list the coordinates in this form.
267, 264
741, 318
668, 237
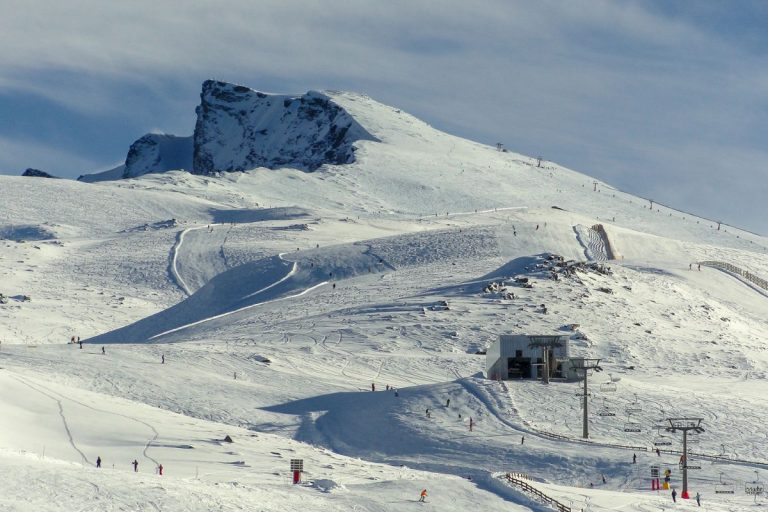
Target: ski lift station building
521, 356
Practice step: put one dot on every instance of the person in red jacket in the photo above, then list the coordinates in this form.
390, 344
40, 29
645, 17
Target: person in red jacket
423, 495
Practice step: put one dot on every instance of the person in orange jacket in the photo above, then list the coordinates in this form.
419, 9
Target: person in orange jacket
423, 495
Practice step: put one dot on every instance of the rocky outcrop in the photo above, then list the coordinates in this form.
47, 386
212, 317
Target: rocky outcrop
158, 153
37, 173
239, 128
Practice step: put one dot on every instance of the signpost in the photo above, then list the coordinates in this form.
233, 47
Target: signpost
297, 467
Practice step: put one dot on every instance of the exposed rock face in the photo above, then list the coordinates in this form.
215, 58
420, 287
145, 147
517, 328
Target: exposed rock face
37, 173
239, 128
158, 153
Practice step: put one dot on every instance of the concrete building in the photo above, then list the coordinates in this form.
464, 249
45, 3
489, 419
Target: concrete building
522, 356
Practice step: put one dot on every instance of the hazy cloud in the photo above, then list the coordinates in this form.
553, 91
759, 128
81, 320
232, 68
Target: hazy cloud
646, 96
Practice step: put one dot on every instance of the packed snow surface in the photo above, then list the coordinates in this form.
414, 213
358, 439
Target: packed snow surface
336, 317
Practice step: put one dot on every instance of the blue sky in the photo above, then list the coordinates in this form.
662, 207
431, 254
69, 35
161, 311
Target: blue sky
667, 100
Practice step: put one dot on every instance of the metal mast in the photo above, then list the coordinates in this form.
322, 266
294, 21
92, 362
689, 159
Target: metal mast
684, 425
584, 366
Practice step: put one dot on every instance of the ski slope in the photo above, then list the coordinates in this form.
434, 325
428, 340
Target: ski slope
277, 298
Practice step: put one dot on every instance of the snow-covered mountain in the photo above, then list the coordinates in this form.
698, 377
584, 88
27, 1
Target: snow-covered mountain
264, 304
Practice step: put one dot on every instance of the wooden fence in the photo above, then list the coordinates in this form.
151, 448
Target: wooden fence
519, 480
733, 269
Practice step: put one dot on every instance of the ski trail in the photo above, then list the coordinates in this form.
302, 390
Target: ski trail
173, 268
293, 271
156, 434
61, 414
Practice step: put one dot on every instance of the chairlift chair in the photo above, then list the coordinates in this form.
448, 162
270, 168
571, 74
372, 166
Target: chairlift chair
660, 440
604, 410
724, 486
632, 426
608, 387
634, 407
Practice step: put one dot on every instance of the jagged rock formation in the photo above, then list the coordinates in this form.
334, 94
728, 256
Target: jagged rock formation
37, 173
158, 153
239, 128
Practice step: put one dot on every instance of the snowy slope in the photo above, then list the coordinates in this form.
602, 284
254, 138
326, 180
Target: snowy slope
277, 297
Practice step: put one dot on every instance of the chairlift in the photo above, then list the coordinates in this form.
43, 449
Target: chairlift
724, 486
632, 426
608, 387
604, 410
634, 407
660, 440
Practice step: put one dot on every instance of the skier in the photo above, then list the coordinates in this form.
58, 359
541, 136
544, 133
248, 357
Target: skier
98, 462
603, 478
634, 458
674, 495
79, 342
334, 286
162, 359
135, 466
699, 265
471, 423
658, 452
698, 499
423, 496
373, 386
448, 403
428, 416
690, 265
160, 469
103, 352
522, 439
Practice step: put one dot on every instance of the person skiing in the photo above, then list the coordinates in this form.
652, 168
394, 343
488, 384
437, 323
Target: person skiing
98, 462
373, 386
428, 416
135, 466
698, 499
634, 458
160, 469
423, 495
471, 423
103, 351
522, 439
162, 359
448, 402
674, 495
658, 452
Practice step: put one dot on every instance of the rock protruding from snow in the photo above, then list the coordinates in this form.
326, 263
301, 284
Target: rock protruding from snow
158, 153
239, 128
37, 173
